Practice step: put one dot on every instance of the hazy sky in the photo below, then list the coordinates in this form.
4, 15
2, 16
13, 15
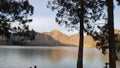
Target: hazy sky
44, 18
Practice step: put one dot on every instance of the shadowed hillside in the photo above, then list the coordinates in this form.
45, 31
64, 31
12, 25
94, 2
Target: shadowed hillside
57, 38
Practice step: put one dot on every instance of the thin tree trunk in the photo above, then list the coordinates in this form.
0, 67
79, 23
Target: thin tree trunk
81, 37
112, 54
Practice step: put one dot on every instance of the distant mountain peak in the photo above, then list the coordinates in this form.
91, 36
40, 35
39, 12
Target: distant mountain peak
56, 31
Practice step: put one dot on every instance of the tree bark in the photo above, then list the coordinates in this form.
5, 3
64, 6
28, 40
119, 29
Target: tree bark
81, 37
111, 36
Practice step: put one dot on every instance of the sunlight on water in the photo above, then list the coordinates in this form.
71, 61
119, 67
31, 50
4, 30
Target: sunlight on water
48, 57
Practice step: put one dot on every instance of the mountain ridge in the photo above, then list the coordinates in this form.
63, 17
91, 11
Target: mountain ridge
62, 39
57, 38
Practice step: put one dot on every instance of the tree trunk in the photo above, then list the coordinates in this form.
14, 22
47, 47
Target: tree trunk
111, 36
81, 37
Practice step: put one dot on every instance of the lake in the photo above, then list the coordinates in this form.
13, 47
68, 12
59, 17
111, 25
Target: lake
49, 57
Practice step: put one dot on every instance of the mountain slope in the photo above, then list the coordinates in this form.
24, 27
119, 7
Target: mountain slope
57, 38
43, 40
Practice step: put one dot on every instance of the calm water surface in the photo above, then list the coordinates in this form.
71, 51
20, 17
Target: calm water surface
48, 57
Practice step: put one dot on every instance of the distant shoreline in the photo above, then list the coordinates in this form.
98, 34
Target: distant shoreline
38, 46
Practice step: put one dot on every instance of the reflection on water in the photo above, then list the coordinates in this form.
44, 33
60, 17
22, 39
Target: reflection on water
42, 57
94, 59
48, 57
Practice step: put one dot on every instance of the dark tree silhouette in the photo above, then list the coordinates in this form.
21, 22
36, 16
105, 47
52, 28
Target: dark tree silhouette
81, 32
111, 36
107, 37
77, 13
70, 13
13, 12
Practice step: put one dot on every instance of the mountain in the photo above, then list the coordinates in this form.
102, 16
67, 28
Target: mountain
89, 41
117, 32
53, 38
62, 38
42, 39
57, 38
74, 39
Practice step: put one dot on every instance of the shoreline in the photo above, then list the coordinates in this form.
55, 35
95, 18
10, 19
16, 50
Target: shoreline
34, 46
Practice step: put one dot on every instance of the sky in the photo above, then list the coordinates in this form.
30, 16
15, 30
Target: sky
44, 18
